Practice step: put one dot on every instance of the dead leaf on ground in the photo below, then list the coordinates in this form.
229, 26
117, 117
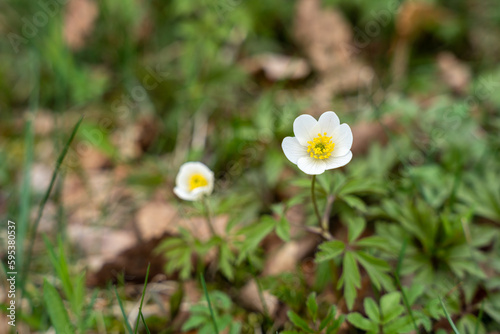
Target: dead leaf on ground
79, 22
132, 263
365, 133
157, 218
288, 256
327, 39
277, 67
455, 73
249, 297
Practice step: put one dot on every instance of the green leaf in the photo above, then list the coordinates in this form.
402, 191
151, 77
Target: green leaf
226, 258
312, 306
254, 234
372, 310
390, 306
355, 202
373, 242
356, 226
329, 317
452, 324
124, 314
283, 229
358, 321
299, 322
56, 309
351, 279
329, 250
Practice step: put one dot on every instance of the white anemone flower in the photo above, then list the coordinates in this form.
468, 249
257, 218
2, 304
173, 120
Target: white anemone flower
193, 181
319, 145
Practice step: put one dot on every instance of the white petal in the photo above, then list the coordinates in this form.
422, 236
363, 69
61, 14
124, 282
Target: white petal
336, 162
303, 128
342, 137
293, 150
184, 194
201, 191
328, 122
311, 166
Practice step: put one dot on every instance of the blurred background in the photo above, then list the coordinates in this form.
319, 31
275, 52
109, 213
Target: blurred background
160, 83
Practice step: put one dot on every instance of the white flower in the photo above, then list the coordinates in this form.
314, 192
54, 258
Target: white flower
193, 181
319, 145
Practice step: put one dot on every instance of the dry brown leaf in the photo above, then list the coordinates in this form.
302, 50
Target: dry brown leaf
79, 22
43, 123
365, 133
415, 16
132, 262
277, 67
327, 39
455, 73
155, 219
250, 298
93, 158
289, 255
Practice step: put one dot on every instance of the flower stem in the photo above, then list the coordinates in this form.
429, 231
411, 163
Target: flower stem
313, 196
323, 222
207, 216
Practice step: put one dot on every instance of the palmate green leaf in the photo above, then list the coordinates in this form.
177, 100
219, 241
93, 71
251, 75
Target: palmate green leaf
372, 242
399, 326
351, 279
329, 250
376, 269
390, 306
283, 229
226, 259
414, 292
254, 234
335, 325
372, 310
361, 186
56, 309
299, 322
355, 202
330, 316
312, 306
358, 321
356, 226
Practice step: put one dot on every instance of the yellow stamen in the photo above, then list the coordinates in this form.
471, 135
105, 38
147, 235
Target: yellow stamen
320, 147
196, 181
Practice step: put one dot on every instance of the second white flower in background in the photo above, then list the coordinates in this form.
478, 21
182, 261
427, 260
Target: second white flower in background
194, 181
319, 145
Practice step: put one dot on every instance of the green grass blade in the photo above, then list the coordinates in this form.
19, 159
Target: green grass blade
452, 324
142, 298
204, 285
400, 287
85, 319
479, 317
127, 325
25, 196
56, 309
145, 325
25, 268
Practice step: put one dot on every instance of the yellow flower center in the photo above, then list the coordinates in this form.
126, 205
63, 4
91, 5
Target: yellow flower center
196, 181
320, 147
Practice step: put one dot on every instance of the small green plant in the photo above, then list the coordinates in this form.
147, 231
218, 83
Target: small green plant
201, 315
330, 323
387, 317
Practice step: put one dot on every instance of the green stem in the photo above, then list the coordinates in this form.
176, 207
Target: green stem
212, 314
322, 222
313, 196
207, 216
